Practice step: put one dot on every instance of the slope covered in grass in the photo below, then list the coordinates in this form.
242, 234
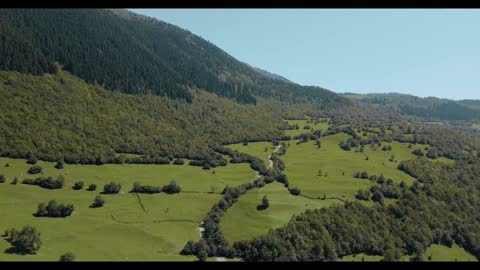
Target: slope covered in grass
243, 221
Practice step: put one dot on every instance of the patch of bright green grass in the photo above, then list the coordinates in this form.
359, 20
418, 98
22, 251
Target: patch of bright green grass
441, 253
360, 257
256, 149
190, 178
243, 221
304, 161
99, 234
127, 155
302, 124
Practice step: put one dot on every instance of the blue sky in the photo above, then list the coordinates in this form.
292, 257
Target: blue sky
421, 52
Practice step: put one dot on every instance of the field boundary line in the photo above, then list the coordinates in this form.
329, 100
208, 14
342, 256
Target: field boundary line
141, 204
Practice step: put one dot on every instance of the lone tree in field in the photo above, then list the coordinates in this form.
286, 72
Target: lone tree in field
32, 159
78, 185
59, 165
2, 178
98, 202
67, 257
25, 241
92, 187
14, 181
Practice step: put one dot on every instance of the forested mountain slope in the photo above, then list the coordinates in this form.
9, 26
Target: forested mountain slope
61, 116
429, 108
137, 55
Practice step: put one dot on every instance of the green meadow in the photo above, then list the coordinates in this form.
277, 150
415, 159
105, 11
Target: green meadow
256, 149
190, 178
157, 233
435, 253
243, 221
304, 162
439, 253
302, 124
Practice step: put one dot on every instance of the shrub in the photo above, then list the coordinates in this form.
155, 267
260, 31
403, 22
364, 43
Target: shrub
14, 181
35, 170
47, 183
112, 188
59, 165
171, 188
178, 161
32, 159
418, 152
2, 178
25, 241
53, 209
67, 257
98, 202
92, 187
78, 185
145, 189
294, 191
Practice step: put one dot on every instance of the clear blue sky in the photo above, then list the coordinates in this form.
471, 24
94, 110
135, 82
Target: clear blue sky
421, 52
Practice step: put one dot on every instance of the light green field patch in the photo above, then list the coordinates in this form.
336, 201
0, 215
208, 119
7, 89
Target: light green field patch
476, 126
360, 257
304, 161
243, 221
302, 123
256, 149
441, 253
99, 234
127, 155
190, 178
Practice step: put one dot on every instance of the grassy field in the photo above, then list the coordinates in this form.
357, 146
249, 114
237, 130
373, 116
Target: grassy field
90, 233
303, 162
435, 253
157, 234
243, 221
190, 178
256, 149
302, 124
440, 253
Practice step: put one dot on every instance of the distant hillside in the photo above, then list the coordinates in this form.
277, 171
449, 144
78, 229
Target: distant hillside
134, 54
427, 108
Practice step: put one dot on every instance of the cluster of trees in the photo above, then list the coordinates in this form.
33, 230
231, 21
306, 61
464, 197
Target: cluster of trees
53, 209
170, 188
24, 241
46, 182
112, 188
213, 243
